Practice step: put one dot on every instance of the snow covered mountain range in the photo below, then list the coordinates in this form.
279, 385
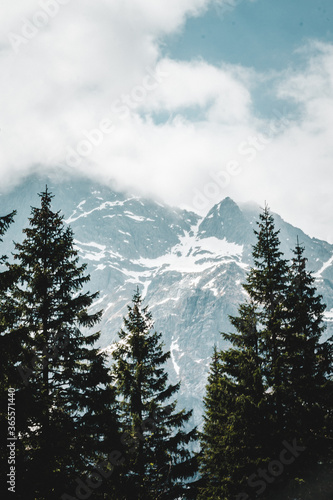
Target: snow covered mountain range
189, 268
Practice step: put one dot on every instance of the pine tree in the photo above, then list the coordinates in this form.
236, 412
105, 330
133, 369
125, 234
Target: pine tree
308, 385
267, 287
275, 387
304, 359
157, 459
234, 437
8, 349
250, 402
212, 464
65, 410
6, 280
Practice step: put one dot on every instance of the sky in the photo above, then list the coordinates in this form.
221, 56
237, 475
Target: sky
184, 101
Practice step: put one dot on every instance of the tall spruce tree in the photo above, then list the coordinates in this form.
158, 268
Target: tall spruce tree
305, 364
212, 467
308, 385
7, 278
157, 460
65, 410
6, 319
234, 437
275, 387
266, 285
8, 349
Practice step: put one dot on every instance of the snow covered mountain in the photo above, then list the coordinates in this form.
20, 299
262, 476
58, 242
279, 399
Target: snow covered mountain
189, 268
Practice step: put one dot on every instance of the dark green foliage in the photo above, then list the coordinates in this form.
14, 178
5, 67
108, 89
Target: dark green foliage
5, 222
8, 348
157, 458
308, 385
213, 450
272, 387
233, 439
267, 285
7, 279
65, 400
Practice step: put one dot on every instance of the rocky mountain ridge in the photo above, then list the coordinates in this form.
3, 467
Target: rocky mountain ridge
188, 268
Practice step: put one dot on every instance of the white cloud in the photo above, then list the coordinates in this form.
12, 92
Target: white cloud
179, 129
218, 91
67, 75
299, 183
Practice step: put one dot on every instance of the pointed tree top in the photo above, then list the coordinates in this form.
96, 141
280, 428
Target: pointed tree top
137, 299
299, 247
46, 196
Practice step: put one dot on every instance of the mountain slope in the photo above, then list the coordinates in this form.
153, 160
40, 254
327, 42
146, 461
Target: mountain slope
189, 268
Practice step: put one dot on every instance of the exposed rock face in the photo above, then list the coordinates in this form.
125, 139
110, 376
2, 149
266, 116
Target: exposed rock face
189, 269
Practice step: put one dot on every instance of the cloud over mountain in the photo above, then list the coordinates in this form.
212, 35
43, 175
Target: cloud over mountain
90, 88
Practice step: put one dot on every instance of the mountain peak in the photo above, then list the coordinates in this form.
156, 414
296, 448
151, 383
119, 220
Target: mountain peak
225, 220
223, 204
226, 200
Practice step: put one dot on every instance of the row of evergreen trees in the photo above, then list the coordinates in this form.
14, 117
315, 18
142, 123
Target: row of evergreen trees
85, 430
